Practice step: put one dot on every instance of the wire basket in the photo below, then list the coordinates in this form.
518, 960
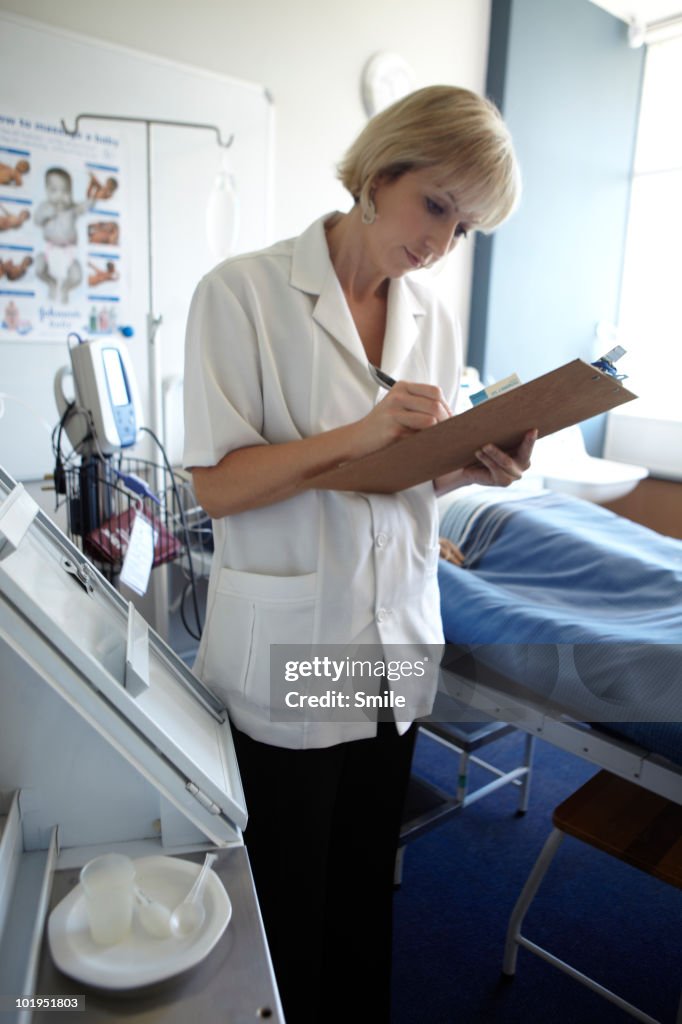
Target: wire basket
103, 497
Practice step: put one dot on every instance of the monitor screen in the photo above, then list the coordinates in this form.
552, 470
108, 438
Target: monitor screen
113, 368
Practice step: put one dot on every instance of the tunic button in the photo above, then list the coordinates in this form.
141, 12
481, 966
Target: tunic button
382, 540
382, 615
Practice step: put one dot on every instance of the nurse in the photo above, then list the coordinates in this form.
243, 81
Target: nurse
277, 389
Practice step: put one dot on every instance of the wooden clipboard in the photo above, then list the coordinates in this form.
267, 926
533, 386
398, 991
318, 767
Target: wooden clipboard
557, 399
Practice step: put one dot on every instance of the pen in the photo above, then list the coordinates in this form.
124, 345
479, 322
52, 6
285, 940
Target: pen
387, 382
382, 379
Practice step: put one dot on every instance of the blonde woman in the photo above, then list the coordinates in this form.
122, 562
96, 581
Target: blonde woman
278, 388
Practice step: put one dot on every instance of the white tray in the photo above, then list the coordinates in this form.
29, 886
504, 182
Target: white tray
139, 959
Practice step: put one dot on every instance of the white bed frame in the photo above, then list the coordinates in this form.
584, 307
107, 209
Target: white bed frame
620, 756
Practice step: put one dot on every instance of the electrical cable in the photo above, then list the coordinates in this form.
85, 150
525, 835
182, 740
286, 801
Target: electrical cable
183, 521
188, 586
62, 467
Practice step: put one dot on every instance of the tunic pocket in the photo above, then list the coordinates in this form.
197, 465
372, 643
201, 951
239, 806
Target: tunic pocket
250, 612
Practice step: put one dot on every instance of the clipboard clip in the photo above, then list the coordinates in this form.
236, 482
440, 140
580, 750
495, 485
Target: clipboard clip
606, 363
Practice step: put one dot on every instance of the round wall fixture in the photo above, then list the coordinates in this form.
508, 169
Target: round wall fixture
386, 77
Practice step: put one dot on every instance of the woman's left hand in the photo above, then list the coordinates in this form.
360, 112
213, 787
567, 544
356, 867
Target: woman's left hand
496, 468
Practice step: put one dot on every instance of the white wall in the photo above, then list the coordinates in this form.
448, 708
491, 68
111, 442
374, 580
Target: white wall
310, 55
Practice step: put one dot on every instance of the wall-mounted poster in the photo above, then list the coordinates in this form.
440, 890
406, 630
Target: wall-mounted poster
62, 231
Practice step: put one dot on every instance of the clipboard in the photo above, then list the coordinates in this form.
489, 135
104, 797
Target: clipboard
558, 399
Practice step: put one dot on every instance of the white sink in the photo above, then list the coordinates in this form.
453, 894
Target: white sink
565, 466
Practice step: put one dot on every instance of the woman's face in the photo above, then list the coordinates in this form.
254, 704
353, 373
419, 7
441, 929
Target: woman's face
417, 221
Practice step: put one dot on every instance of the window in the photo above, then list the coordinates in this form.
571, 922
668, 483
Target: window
651, 295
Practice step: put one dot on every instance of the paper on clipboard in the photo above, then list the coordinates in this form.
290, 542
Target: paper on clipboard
558, 399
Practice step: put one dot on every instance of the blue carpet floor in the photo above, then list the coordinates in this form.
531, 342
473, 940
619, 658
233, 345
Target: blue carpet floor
461, 880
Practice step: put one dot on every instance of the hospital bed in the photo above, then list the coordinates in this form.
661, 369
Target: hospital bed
566, 621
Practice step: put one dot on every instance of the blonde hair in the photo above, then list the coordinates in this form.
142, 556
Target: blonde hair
445, 127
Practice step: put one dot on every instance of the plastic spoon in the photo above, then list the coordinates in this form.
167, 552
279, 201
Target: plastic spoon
189, 915
154, 917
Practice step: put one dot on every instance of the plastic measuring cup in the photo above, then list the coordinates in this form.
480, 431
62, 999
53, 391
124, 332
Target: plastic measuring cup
108, 888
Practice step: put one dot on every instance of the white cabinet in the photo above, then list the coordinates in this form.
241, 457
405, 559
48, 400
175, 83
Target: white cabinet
107, 741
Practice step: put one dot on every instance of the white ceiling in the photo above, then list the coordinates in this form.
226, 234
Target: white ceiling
643, 11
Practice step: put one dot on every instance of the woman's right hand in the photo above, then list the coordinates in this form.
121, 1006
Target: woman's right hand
407, 408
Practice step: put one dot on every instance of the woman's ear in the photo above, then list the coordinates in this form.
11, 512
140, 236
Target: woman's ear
377, 181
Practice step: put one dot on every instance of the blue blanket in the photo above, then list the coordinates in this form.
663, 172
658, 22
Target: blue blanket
575, 603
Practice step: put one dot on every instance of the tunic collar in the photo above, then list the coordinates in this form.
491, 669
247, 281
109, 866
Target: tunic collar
312, 271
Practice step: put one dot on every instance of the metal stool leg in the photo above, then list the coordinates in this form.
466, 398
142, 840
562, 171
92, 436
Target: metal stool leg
398, 866
463, 777
525, 899
529, 749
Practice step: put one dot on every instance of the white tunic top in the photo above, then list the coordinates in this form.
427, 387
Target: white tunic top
273, 355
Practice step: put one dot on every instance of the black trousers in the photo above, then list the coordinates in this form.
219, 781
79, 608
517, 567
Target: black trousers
322, 838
